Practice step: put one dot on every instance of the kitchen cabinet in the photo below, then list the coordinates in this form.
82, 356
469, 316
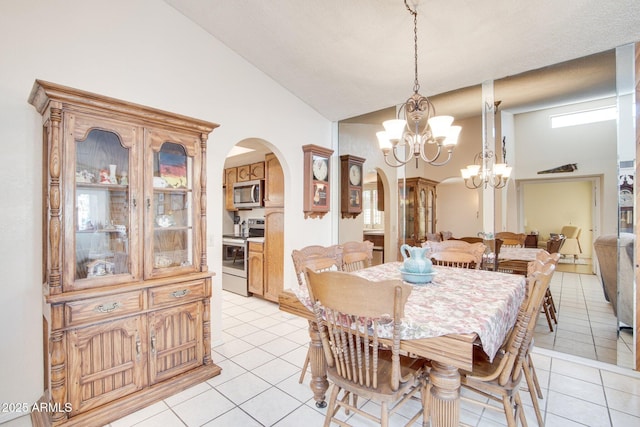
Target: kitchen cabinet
274, 182
274, 228
257, 170
244, 173
230, 178
417, 207
255, 261
274, 253
126, 288
250, 172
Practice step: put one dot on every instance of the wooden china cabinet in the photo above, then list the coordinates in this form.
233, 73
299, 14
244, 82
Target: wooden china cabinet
126, 288
417, 210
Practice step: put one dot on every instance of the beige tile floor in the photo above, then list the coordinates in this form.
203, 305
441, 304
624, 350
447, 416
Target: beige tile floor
264, 349
587, 326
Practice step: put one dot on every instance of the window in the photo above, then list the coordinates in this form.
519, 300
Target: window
373, 218
584, 117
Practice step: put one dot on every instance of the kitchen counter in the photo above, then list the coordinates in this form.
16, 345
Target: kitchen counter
255, 239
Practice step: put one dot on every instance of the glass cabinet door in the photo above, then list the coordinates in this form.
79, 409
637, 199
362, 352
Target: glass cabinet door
408, 203
431, 228
422, 214
101, 222
172, 214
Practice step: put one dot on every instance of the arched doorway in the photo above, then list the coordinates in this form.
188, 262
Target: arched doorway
253, 162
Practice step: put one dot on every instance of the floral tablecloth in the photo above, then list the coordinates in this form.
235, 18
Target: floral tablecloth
523, 254
457, 301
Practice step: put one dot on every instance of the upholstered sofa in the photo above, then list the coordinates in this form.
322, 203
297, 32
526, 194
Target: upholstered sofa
618, 292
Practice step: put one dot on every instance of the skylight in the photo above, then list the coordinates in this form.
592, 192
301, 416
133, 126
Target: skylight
584, 117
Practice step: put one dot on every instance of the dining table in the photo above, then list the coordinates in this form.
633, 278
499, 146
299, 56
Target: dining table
443, 321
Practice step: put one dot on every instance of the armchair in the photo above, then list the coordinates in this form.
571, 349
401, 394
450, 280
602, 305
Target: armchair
571, 243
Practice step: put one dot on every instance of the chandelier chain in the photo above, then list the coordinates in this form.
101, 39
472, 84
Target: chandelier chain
417, 126
416, 83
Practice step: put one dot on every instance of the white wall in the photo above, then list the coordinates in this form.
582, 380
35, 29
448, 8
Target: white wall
145, 52
592, 147
559, 204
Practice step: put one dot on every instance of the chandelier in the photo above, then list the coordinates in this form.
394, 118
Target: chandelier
484, 172
420, 125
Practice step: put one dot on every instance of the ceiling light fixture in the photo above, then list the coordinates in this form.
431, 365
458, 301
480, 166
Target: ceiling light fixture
420, 126
484, 172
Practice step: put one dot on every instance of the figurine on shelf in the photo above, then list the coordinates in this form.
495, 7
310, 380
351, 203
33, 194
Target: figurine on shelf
112, 174
85, 176
124, 179
104, 177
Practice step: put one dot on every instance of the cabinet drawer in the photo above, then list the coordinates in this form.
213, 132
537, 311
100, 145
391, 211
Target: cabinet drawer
178, 293
106, 307
256, 247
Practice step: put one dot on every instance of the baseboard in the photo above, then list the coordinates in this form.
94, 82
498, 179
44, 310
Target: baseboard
109, 412
10, 416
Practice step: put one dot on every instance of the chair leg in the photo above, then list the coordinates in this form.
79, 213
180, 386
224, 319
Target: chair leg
520, 410
534, 388
384, 415
425, 395
550, 297
304, 368
552, 312
510, 411
546, 313
332, 408
532, 369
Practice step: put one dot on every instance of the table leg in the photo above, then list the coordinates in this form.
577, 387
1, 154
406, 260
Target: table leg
445, 395
318, 383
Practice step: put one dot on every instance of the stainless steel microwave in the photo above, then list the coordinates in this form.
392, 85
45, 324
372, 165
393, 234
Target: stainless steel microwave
248, 194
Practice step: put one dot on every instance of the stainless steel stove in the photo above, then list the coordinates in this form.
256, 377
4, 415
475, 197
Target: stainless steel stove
234, 257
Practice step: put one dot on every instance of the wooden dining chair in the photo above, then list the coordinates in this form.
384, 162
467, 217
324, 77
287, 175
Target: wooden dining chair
434, 237
511, 239
499, 380
549, 307
355, 317
317, 258
471, 239
357, 255
455, 253
454, 259
533, 385
513, 266
554, 244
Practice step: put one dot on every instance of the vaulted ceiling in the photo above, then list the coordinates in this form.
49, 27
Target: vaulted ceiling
346, 58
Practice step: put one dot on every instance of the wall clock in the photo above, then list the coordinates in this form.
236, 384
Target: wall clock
351, 185
317, 185
625, 203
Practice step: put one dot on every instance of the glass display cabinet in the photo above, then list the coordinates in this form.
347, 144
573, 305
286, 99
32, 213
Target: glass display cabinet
417, 207
126, 312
